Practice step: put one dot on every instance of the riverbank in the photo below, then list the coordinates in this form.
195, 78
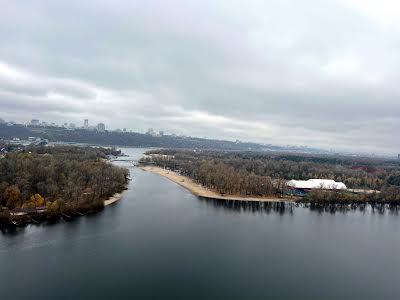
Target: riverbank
200, 191
116, 197
24, 216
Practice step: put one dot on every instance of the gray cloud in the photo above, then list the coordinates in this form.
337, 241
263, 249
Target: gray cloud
288, 72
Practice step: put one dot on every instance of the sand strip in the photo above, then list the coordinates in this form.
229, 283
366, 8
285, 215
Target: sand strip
198, 190
113, 199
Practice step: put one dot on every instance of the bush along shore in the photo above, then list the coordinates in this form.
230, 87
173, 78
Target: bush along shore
45, 183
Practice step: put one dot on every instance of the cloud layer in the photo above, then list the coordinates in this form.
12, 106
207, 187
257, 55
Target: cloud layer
322, 73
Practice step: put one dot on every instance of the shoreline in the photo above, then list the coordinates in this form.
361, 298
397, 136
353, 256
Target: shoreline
28, 218
114, 198
200, 191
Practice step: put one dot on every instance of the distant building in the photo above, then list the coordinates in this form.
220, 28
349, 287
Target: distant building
302, 187
86, 124
398, 156
124, 130
35, 122
154, 133
2, 121
72, 125
101, 127
314, 184
150, 131
43, 142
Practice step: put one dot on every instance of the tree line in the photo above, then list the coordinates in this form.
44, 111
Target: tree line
265, 173
62, 179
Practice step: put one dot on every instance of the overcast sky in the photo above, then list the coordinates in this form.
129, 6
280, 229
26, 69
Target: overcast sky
322, 73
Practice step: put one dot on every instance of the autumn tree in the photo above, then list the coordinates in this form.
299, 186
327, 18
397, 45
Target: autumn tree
12, 195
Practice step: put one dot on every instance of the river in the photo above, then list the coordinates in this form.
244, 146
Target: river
161, 242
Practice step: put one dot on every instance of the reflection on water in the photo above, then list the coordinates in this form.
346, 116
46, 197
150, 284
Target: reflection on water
250, 206
289, 207
243, 207
240, 207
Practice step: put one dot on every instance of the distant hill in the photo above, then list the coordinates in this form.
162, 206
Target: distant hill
131, 139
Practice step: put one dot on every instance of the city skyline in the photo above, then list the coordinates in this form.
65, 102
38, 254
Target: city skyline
85, 125
101, 127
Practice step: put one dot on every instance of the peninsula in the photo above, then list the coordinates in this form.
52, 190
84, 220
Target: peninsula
39, 183
201, 191
266, 176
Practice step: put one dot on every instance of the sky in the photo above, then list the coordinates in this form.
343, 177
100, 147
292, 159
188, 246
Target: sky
318, 73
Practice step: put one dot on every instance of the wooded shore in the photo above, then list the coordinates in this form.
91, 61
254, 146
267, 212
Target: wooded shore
201, 191
39, 184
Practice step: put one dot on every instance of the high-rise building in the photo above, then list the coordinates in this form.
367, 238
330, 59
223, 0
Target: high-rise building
35, 122
86, 124
101, 127
150, 131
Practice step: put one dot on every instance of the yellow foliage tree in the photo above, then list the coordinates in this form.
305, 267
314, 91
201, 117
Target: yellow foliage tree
37, 200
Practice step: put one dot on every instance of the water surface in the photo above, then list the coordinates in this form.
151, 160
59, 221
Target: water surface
161, 242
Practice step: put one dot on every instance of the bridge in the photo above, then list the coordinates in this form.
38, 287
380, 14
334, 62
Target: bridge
132, 161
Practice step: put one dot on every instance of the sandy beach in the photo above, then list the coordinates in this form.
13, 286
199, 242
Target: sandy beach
113, 199
198, 190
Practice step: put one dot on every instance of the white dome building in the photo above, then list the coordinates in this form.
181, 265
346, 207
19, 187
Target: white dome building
316, 184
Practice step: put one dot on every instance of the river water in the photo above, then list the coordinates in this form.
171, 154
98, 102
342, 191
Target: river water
161, 242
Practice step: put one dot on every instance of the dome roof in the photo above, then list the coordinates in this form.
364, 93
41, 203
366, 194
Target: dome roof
325, 184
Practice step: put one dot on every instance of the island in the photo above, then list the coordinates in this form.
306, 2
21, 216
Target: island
39, 183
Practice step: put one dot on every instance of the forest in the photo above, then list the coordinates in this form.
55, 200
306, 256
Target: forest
266, 173
60, 180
